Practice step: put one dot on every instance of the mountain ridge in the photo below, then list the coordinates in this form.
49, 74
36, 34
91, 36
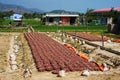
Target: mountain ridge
21, 9
17, 9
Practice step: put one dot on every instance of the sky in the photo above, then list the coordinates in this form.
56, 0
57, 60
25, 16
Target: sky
68, 5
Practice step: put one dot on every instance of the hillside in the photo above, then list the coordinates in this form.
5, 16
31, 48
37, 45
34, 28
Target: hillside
17, 9
63, 11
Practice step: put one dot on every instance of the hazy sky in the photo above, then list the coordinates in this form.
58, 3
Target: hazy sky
69, 5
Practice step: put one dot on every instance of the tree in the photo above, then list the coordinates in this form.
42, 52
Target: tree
36, 15
27, 15
1, 17
90, 16
31, 15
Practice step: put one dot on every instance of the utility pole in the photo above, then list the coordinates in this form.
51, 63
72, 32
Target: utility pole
102, 35
86, 20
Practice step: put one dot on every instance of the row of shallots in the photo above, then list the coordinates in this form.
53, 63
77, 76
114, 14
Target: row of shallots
50, 55
87, 36
13, 51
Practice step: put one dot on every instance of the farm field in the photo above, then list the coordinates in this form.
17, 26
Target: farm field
72, 28
87, 36
13, 29
50, 55
25, 58
97, 39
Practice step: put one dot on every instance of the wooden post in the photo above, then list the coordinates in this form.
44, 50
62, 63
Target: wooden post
102, 35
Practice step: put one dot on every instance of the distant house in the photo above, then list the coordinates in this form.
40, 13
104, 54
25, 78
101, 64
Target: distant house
16, 17
58, 19
112, 22
107, 9
104, 12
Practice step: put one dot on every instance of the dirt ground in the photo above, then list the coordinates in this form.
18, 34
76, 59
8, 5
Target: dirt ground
25, 59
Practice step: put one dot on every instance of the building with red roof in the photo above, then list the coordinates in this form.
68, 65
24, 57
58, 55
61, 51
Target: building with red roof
113, 21
107, 9
64, 19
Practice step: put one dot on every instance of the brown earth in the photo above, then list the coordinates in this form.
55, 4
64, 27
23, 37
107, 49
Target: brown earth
24, 58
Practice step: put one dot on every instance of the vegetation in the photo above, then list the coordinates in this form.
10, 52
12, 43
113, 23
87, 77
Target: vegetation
4, 15
32, 22
112, 35
44, 28
98, 16
8, 29
31, 15
33, 19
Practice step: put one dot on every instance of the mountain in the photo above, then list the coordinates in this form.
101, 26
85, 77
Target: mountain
21, 9
63, 12
36, 10
17, 9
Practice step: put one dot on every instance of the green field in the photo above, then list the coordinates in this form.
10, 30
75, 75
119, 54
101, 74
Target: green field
44, 28
21, 29
38, 27
31, 22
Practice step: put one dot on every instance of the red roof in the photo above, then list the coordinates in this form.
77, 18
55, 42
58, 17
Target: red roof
117, 9
107, 9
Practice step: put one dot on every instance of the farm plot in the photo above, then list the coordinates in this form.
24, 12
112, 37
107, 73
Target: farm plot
49, 55
4, 46
87, 36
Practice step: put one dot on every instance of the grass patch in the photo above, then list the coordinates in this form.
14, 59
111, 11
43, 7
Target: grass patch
31, 22
44, 28
38, 27
5, 22
19, 29
112, 35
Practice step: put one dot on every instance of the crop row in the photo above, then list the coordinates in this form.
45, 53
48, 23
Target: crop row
87, 36
50, 55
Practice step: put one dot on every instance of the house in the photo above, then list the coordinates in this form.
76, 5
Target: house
113, 22
107, 9
60, 19
17, 18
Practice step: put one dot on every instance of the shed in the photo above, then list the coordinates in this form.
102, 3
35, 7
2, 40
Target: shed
64, 19
113, 24
17, 18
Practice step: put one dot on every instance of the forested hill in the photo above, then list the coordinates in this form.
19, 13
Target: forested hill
17, 9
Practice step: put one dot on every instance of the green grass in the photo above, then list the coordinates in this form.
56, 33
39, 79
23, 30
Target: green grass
5, 22
38, 27
31, 22
21, 29
44, 28
112, 35
93, 29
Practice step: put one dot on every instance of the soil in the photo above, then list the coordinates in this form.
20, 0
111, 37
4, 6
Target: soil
25, 59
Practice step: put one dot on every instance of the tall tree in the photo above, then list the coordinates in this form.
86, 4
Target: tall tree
36, 15
27, 15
